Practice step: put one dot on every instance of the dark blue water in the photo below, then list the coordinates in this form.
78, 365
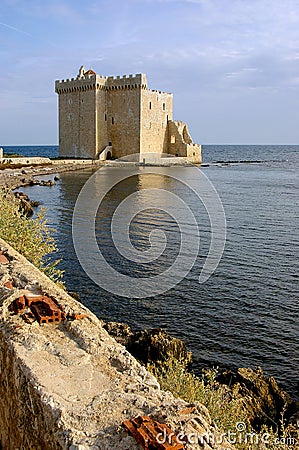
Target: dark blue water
247, 313
210, 154
47, 151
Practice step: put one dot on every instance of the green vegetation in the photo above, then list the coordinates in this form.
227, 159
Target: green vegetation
225, 406
30, 237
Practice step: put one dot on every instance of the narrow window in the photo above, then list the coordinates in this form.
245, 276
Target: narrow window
112, 120
105, 116
150, 124
70, 101
193, 153
163, 106
167, 118
150, 105
70, 116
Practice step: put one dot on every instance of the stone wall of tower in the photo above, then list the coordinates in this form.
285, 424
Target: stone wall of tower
123, 113
123, 120
69, 124
101, 116
156, 111
77, 118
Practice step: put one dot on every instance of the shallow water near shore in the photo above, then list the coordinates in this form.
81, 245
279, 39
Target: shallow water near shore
247, 313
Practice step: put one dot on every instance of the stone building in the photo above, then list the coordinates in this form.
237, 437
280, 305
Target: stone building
104, 117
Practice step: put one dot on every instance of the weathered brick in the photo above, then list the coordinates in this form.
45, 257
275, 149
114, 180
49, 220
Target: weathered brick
3, 259
9, 284
146, 431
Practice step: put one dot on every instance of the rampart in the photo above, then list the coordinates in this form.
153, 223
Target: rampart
95, 81
69, 385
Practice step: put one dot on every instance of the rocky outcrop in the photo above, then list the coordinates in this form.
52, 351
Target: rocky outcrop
36, 182
263, 400
26, 205
154, 346
69, 385
15, 177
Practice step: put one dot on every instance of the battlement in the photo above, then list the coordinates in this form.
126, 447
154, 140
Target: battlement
138, 80
90, 80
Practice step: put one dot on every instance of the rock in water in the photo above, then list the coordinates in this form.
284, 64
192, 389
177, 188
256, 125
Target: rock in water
25, 204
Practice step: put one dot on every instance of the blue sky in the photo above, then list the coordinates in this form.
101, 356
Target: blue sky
233, 65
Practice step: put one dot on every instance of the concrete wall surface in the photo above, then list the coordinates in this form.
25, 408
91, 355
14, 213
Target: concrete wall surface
70, 385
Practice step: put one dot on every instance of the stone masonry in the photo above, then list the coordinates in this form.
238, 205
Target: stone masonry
69, 385
104, 117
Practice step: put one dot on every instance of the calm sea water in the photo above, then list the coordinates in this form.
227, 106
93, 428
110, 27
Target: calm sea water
247, 313
47, 151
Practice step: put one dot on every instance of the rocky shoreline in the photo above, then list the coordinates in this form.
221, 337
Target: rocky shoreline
14, 178
264, 401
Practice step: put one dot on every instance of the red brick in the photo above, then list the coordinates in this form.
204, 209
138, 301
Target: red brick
145, 431
32, 298
3, 259
188, 410
8, 284
18, 305
46, 310
77, 316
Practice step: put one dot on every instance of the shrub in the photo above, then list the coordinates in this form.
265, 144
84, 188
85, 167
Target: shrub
30, 237
225, 406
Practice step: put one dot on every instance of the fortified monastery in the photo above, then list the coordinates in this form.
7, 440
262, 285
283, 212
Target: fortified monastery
106, 117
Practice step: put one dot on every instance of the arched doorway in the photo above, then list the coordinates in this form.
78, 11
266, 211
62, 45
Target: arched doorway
109, 155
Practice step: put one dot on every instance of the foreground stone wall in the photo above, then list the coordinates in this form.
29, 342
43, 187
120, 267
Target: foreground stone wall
70, 385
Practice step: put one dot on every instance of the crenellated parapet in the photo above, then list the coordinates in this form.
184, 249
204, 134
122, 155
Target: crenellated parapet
91, 81
127, 82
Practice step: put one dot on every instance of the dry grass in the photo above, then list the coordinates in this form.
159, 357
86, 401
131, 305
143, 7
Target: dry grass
224, 404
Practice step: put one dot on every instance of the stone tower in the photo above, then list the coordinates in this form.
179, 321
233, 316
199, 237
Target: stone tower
102, 117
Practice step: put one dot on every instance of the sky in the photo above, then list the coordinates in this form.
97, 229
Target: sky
232, 65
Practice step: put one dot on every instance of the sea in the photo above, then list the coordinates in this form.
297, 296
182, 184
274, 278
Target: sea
247, 313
